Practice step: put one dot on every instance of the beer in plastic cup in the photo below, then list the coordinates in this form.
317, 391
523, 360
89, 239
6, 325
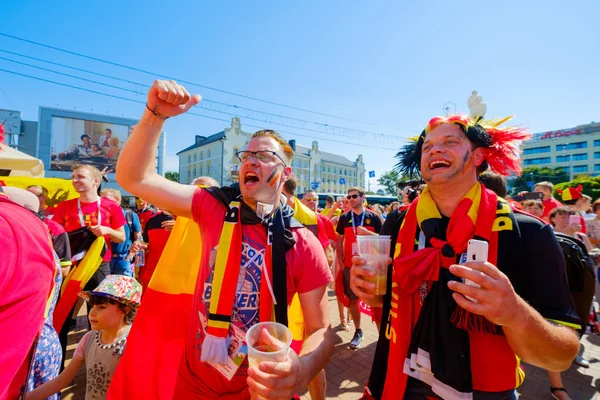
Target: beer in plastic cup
268, 341
376, 251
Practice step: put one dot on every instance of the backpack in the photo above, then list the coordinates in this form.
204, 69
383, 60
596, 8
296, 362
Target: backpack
580, 267
129, 218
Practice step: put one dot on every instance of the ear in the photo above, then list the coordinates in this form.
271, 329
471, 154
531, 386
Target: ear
286, 173
478, 156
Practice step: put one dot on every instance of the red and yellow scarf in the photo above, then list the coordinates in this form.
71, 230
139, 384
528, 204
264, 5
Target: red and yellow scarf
225, 279
474, 217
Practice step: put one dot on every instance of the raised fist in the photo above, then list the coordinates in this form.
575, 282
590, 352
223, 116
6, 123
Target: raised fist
168, 99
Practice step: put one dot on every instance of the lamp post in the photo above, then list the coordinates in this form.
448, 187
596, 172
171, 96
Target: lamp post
570, 161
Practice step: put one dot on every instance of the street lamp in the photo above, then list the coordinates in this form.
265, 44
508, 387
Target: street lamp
570, 161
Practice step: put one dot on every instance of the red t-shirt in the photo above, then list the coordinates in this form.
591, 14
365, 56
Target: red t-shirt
26, 278
306, 270
369, 220
550, 205
111, 215
326, 226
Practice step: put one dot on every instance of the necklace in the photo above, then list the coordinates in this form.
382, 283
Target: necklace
117, 346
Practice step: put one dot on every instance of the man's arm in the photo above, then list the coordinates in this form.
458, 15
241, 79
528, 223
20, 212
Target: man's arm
115, 235
136, 169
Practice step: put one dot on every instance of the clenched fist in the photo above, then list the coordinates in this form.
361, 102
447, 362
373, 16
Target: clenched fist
168, 99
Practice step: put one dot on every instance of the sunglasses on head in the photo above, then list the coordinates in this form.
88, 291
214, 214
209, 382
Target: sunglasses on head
352, 196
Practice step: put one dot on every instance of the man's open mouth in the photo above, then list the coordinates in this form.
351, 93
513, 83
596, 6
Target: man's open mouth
438, 164
250, 177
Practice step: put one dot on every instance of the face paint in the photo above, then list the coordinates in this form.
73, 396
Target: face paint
274, 177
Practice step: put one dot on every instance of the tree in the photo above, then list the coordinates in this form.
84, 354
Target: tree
532, 175
172, 176
389, 181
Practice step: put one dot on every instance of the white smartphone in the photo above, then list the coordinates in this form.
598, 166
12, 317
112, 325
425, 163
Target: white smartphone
477, 250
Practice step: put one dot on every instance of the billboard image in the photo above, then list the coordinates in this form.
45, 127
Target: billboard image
79, 141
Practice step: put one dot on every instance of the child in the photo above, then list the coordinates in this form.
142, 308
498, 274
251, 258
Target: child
114, 303
96, 151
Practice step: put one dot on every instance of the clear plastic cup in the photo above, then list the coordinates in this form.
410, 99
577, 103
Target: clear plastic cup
268, 341
376, 251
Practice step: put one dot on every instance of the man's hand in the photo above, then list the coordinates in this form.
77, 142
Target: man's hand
169, 99
277, 380
168, 225
99, 230
138, 246
496, 298
361, 284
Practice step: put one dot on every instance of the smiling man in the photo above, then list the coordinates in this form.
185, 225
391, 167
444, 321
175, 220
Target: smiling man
437, 343
255, 257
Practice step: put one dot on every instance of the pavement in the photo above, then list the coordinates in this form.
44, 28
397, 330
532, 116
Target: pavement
348, 370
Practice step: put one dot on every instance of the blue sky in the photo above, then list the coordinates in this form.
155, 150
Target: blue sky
391, 64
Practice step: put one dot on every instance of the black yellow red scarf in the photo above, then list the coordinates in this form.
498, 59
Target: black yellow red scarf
273, 290
434, 327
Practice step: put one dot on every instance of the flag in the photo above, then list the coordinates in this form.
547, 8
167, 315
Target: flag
371, 174
149, 366
76, 280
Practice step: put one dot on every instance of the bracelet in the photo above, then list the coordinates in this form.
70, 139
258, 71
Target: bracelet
152, 110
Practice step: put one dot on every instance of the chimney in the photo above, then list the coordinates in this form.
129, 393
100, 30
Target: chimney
293, 144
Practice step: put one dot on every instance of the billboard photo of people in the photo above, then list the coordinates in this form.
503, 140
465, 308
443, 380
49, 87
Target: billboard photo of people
78, 141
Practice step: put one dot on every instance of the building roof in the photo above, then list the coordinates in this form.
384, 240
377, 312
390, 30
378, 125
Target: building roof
203, 142
328, 157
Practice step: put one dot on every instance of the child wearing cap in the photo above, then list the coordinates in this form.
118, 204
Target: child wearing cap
113, 306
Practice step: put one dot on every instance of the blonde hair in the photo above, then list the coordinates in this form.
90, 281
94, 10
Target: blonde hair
113, 193
287, 149
95, 172
113, 139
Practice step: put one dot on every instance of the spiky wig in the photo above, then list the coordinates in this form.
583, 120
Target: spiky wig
500, 145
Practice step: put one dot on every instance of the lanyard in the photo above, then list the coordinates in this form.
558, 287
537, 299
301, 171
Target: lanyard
362, 221
81, 213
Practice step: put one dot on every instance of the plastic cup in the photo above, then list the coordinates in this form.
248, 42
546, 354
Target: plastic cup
268, 341
376, 251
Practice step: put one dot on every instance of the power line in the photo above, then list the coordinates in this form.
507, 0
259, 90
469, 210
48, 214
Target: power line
187, 113
184, 81
380, 135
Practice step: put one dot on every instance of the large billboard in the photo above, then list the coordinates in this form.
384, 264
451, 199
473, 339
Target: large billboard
79, 141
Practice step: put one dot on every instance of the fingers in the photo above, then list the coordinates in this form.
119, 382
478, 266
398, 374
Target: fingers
175, 94
481, 295
483, 273
470, 306
359, 282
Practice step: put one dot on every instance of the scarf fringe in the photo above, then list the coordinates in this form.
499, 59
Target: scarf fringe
214, 349
468, 321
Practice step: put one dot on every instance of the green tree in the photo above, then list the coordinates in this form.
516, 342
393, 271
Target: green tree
537, 174
389, 181
172, 176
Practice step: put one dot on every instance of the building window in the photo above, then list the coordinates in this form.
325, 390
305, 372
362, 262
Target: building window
571, 146
195, 157
580, 168
596, 167
235, 160
537, 150
535, 161
580, 157
201, 169
208, 153
195, 173
189, 159
597, 143
562, 158
201, 155
208, 167
597, 155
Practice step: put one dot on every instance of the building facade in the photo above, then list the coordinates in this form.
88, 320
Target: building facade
575, 148
214, 156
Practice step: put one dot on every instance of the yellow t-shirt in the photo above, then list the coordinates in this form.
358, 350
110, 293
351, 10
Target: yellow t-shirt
336, 213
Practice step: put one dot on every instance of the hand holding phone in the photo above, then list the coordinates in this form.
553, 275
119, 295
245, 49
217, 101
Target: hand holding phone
477, 250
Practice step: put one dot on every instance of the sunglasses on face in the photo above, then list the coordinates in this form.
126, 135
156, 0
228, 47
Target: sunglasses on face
311, 199
352, 196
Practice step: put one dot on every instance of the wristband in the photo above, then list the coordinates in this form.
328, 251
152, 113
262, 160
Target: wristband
152, 110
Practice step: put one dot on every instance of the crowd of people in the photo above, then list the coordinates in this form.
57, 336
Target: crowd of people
449, 327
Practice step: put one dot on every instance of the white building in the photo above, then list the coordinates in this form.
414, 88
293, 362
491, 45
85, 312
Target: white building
215, 156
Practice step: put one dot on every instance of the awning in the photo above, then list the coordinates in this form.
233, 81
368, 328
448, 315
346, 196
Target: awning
17, 163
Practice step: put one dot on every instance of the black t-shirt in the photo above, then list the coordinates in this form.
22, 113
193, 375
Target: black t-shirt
371, 221
528, 254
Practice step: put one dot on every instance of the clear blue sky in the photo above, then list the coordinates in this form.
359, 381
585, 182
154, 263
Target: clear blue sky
388, 63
